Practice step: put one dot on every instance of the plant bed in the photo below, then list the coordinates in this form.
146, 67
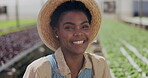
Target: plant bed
14, 43
111, 34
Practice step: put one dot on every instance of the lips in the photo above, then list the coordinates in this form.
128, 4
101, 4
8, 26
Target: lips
78, 42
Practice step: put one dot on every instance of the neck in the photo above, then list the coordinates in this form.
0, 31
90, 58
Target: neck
74, 62
72, 58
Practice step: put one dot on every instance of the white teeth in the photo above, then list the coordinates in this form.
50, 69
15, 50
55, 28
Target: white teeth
78, 42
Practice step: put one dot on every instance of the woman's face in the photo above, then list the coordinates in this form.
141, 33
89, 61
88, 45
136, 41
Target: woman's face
73, 32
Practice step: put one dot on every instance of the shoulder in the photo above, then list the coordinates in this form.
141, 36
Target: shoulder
40, 63
98, 62
100, 67
39, 68
96, 58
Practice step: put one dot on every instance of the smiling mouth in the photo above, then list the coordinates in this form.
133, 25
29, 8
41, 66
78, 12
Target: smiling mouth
79, 42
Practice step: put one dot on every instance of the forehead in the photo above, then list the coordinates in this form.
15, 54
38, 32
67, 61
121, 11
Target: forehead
73, 16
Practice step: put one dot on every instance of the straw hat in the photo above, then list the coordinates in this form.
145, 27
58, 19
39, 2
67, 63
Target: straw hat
45, 30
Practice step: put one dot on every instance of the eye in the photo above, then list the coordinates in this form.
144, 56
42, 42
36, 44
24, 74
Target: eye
85, 26
69, 27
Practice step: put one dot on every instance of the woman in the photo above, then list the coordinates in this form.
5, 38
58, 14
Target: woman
67, 27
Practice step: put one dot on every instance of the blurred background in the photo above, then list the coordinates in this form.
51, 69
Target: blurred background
122, 39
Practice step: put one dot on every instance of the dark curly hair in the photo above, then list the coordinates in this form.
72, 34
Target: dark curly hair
68, 6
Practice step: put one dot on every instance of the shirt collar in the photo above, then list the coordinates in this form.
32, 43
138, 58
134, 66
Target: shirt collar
62, 66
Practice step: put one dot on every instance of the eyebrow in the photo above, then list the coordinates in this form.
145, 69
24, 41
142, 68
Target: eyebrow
84, 22
74, 23
68, 23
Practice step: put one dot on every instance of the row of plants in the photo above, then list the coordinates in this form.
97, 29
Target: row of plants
10, 26
111, 35
12, 23
13, 44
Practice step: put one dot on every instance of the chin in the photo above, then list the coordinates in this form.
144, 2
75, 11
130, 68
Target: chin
79, 52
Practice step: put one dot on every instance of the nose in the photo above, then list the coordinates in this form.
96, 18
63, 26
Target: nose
78, 32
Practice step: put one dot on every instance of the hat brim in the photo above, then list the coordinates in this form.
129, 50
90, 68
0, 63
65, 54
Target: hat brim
45, 30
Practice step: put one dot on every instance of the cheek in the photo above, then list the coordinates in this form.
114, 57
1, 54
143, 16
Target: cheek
88, 33
64, 36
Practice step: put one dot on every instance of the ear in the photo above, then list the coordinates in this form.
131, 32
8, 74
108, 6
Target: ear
55, 30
